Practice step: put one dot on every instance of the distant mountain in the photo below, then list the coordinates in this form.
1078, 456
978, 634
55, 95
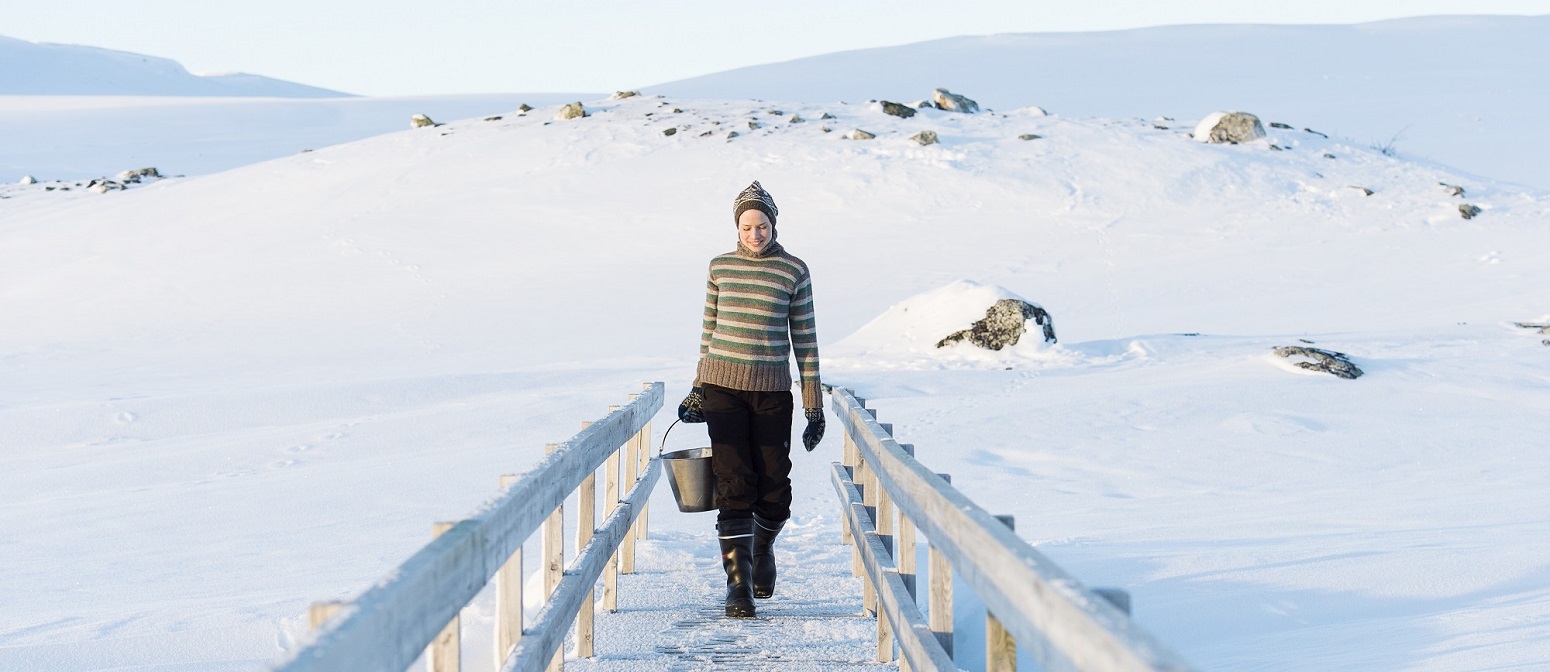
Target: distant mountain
44, 69
1455, 89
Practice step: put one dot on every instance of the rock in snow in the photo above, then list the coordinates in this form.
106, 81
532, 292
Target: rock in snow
1005, 323
28, 179
925, 137
420, 121
953, 102
898, 110
1229, 128
571, 111
859, 134
1327, 361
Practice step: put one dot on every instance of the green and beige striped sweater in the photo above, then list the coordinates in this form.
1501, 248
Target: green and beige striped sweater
757, 309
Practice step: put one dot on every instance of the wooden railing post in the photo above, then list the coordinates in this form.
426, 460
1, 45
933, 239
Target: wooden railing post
1000, 646
319, 612
446, 649
883, 518
644, 438
554, 561
631, 474
508, 599
586, 524
904, 553
940, 602
610, 503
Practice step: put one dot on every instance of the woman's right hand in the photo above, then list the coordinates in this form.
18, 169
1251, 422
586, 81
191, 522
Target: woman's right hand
689, 411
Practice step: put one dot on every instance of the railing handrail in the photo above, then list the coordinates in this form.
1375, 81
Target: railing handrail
388, 626
1065, 625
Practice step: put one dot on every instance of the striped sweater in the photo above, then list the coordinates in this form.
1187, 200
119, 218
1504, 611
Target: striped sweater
757, 308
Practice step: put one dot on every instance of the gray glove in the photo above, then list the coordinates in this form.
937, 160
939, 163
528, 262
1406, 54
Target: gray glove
689, 411
814, 432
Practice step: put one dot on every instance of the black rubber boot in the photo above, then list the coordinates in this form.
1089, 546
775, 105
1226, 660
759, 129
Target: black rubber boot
737, 559
764, 533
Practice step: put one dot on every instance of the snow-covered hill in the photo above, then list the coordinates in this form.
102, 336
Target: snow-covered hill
227, 396
1456, 90
43, 69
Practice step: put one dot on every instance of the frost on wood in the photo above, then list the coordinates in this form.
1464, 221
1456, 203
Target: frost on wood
1004, 324
1327, 361
1229, 128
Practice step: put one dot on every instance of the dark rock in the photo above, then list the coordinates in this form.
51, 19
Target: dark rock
677, 111
1542, 327
1365, 191
795, 119
1327, 361
753, 125
1327, 155
826, 115
421, 121
776, 113
731, 135
1309, 130
1004, 324
898, 110
706, 133
621, 95
1469, 211
1277, 124
1029, 136
495, 118
669, 131
524, 107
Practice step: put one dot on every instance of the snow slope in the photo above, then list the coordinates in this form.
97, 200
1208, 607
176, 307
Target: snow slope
227, 396
1453, 89
34, 68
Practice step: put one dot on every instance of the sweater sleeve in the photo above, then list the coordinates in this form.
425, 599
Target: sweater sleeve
708, 322
804, 342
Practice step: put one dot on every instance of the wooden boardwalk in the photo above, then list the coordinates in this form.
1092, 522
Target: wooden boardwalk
670, 615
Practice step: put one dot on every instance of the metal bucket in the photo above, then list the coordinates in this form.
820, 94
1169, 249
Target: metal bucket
694, 484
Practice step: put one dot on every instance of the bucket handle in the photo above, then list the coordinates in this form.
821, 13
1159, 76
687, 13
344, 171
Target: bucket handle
664, 436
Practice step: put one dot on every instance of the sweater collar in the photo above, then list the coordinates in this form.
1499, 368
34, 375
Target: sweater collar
769, 250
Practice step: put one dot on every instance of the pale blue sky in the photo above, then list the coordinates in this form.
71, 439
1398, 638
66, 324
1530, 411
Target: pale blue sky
394, 47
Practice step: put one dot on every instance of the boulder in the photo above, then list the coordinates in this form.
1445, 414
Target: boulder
859, 134
138, 174
571, 111
1229, 128
28, 179
420, 121
1453, 189
621, 95
1327, 361
1468, 211
670, 131
925, 137
953, 102
1005, 323
795, 119
524, 107
898, 110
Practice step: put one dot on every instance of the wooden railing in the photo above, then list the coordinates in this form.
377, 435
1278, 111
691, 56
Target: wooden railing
414, 609
1029, 600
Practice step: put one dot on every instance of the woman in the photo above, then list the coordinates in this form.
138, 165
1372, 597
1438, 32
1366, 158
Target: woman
758, 307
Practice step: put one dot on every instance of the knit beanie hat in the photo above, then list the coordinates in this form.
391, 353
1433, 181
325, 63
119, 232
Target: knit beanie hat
755, 197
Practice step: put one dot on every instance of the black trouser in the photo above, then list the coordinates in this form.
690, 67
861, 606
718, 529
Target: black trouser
750, 440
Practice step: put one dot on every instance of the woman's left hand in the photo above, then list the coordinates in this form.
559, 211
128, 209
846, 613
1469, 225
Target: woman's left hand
814, 432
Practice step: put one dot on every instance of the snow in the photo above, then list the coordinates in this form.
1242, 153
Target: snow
1456, 90
232, 394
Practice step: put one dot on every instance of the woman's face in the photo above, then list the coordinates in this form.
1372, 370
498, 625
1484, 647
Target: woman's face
753, 229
